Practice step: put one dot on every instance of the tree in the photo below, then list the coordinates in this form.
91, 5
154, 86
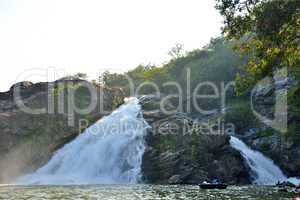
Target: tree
269, 35
268, 32
176, 51
80, 75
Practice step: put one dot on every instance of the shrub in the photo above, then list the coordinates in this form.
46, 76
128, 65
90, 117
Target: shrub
241, 115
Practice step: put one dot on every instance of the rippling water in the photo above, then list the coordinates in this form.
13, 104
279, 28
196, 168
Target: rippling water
136, 192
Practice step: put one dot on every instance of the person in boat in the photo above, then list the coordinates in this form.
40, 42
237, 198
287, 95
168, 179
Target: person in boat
216, 181
214, 184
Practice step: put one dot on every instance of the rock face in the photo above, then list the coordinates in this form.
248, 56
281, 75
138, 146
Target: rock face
27, 140
178, 155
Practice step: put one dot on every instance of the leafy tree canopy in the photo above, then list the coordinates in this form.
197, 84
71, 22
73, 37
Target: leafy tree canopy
269, 34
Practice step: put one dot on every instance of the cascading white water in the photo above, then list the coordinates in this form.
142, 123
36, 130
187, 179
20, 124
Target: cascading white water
263, 169
108, 152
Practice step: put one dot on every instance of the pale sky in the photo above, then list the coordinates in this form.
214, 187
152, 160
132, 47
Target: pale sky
91, 36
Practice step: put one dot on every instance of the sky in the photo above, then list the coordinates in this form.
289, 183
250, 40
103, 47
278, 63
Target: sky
42, 40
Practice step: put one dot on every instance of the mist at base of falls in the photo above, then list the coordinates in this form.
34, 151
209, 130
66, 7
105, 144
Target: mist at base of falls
108, 152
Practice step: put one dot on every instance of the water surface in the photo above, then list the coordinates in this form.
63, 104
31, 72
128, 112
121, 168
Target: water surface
137, 192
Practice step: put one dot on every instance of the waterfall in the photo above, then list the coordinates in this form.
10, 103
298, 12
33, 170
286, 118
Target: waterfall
263, 169
108, 152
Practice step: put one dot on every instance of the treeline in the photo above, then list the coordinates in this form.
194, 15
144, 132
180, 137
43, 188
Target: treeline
216, 63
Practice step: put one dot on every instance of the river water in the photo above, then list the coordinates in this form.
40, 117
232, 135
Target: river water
137, 192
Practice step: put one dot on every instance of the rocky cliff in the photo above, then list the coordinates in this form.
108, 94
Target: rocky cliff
178, 154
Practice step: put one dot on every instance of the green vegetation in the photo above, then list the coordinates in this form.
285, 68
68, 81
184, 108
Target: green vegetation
265, 133
268, 32
216, 63
241, 115
265, 146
